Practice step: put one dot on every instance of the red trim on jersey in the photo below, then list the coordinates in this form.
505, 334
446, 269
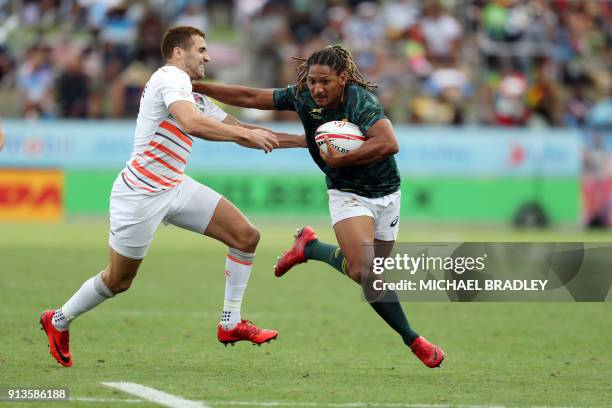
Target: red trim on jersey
337, 136
150, 175
176, 131
169, 152
239, 261
132, 182
177, 182
162, 162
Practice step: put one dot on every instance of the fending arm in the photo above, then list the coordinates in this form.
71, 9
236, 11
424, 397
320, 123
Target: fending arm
285, 140
243, 96
192, 122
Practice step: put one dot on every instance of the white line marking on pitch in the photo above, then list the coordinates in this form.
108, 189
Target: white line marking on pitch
349, 404
86, 399
156, 396
357, 404
172, 401
343, 404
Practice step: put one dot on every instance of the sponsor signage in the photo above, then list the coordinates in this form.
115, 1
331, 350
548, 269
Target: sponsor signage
424, 151
31, 195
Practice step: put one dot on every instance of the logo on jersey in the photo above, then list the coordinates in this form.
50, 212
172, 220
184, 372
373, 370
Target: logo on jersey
394, 222
316, 113
199, 100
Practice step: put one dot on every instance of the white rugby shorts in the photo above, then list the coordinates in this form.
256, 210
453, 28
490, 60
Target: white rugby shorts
134, 217
385, 211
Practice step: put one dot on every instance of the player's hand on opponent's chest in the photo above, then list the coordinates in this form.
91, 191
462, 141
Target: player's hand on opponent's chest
333, 158
259, 139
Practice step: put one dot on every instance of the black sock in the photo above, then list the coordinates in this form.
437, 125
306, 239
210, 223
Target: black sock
330, 254
390, 309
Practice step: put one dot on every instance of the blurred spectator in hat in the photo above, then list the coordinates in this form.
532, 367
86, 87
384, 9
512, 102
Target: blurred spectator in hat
576, 107
542, 94
399, 16
332, 31
507, 97
442, 32
365, 30
6, 62
35, 83
416, 54
73, 89
194, 15
150, 30
127, 89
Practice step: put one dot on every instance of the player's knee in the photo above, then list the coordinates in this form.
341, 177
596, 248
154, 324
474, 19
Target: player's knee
120, 286
358, 269
117, 284
248, 240
354, 270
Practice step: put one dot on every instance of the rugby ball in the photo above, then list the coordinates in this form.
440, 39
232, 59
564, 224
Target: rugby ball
343, 136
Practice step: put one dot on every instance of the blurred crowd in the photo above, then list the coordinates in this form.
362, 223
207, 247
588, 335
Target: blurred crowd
500, 62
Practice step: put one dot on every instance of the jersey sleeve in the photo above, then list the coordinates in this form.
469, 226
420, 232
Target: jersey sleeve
368, 111
208, 108
175, 86
284, 98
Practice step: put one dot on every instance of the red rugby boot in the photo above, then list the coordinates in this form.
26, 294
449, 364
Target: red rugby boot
295, 254
59, 341
245, 330
430, 354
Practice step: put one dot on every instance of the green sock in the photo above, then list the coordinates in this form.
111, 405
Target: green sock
330, 254
390, 309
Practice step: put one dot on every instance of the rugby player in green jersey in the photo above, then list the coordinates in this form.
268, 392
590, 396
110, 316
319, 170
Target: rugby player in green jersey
363, 185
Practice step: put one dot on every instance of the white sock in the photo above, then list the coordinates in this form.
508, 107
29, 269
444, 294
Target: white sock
90, 294
238, 266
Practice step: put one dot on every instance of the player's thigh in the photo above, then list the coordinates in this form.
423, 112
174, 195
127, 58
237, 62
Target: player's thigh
387, 216
355, 236
200, 209
230, 226
193, 207
134, 218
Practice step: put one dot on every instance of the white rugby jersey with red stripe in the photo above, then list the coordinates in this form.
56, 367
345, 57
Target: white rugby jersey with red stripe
161, 148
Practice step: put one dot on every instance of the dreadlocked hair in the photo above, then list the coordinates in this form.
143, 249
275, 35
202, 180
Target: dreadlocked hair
338, 59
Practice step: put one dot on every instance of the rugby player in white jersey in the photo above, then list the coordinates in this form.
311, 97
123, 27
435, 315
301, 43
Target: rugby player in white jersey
152, 189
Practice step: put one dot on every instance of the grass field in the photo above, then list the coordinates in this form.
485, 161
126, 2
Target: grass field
333, 351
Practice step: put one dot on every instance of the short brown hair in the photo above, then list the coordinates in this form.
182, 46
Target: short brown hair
178, 37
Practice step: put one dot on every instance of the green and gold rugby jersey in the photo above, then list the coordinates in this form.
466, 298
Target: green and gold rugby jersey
363, 109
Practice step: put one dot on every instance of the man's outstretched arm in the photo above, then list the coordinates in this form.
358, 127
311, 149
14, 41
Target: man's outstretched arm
193, 123
285, 140
243, 96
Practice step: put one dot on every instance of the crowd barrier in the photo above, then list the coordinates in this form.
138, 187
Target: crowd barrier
50, 170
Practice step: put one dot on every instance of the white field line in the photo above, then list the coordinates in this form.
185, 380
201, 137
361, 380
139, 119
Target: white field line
172, 401
309, 404
358, 404
344, 404
107, 400
156, 396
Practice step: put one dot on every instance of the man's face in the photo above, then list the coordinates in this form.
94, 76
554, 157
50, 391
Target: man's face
325, 85
195, 57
